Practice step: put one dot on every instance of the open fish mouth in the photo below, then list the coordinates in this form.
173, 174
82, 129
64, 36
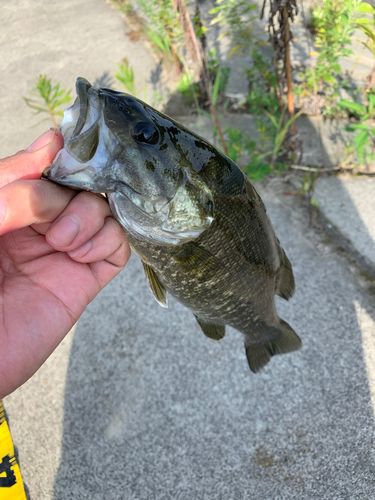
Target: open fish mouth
81, 128
82, 141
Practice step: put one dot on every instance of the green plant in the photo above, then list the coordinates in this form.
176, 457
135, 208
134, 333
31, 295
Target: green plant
334, 22
47, 99
238, 23
123, 6
125, 76
367, 26
266, 154
307, 189
163, 27
364, 141
214, 67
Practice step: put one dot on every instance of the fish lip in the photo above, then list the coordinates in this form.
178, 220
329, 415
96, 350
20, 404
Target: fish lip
82, 87
81, 123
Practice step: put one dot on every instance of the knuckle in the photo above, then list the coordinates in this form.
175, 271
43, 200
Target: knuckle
36, 193
94, 204
115, 228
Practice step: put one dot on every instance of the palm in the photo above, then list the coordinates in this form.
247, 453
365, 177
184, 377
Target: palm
47, 276
42, 291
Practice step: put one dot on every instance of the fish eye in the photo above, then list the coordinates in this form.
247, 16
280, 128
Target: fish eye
146, 132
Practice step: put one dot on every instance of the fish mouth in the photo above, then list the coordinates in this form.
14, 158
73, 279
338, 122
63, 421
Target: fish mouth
80, 129
84, 116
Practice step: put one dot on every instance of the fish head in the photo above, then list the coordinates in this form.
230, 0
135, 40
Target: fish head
116, 144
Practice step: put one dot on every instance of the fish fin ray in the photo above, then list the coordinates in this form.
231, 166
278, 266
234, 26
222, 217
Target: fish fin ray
259, 354
157, 288
285, 279
213, 331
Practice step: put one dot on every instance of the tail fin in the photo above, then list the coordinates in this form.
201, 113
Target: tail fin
285, 279
259, 354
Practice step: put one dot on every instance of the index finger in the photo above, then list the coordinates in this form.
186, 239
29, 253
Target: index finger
31, 162
27, 202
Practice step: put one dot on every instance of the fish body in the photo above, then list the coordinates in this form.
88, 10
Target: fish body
192, 216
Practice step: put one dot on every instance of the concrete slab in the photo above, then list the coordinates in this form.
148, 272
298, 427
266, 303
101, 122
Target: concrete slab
349, 203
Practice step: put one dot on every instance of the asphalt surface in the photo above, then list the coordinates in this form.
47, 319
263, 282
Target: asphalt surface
136, 403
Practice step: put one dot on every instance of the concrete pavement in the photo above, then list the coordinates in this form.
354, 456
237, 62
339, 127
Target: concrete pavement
137, 403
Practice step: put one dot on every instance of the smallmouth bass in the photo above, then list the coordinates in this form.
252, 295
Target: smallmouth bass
192, 216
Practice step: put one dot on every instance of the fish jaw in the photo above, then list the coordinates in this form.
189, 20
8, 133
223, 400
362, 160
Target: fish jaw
80, 163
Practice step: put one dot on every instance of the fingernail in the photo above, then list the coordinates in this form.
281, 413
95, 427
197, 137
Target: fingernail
2, 210
81, 251
43, 140
63, 232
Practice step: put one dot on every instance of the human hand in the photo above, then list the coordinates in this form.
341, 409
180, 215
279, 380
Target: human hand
58, 249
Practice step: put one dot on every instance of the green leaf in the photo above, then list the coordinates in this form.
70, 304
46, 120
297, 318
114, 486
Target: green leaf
361, 139
357, 126
215, 91
366, 7
359, 109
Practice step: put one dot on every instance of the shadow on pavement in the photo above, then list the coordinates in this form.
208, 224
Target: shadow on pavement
154, 410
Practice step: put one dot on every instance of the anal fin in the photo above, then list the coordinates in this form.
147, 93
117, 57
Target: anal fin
157, 288
211, 330
286, 340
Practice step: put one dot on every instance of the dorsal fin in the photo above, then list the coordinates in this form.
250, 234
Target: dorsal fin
157, 288
211, 330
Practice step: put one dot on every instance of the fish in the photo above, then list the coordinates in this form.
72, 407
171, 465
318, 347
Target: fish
193, 217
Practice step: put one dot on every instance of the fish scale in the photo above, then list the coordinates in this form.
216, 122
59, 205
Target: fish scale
192, 216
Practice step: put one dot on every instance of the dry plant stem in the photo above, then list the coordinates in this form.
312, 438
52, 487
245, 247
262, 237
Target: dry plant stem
338, 168
198, 60
176, 59
279, 91
288, 71
217, 121
54, 121
191, 42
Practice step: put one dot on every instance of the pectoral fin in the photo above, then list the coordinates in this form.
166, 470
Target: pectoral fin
157, 288
211, 330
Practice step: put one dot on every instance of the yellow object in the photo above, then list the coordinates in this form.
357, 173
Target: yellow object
11, 485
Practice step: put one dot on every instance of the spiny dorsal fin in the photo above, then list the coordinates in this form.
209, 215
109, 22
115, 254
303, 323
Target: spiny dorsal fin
211, 330
157, 288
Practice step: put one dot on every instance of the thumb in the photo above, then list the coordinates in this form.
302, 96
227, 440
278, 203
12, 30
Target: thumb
30, 163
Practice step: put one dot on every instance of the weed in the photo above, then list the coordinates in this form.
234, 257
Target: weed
364, 141
238, 22
334, 23
123, 6
307, 189
163, 29
367, 26
266, 154
125, 76
47, 99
